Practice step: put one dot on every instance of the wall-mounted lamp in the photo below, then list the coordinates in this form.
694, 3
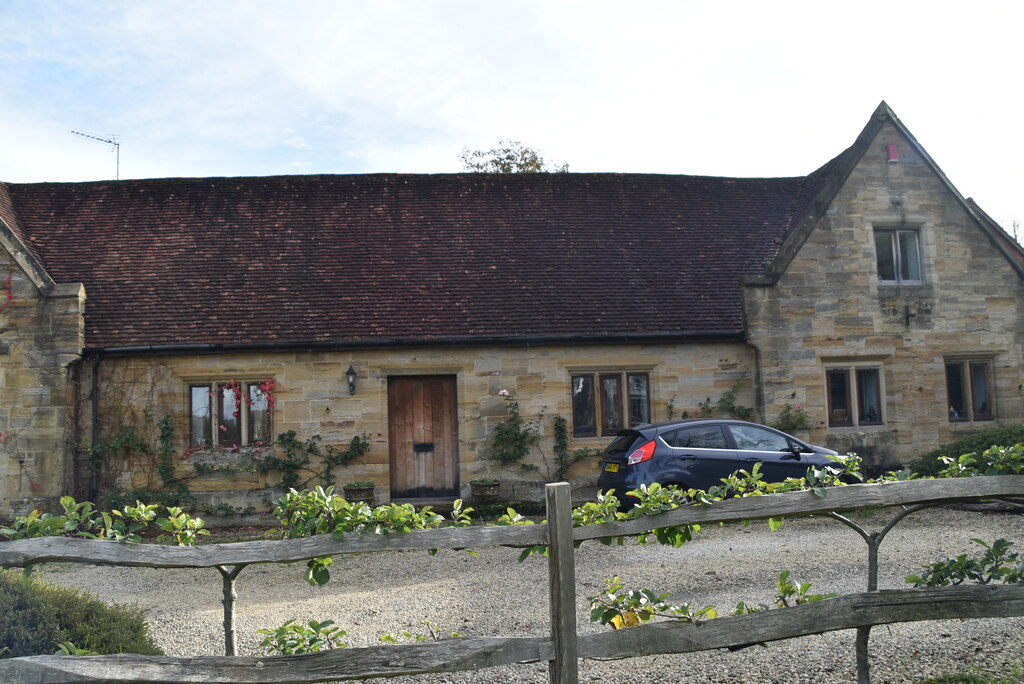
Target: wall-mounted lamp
351, 375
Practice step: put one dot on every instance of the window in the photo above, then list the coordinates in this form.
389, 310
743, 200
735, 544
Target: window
697, 437
605, 402
899, 255
757, 438
230, 414
854, 396
969, 388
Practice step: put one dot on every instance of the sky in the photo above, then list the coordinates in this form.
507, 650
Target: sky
743, 89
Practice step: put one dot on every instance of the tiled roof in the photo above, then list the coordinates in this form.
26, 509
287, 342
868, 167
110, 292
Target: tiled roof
7, 213
390, 258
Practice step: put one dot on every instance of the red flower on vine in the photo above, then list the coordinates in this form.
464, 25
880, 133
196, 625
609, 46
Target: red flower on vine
267, 388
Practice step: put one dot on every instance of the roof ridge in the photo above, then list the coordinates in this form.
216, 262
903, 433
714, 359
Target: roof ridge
298, 177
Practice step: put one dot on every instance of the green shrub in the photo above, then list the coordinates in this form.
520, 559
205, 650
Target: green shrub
931, 464
37, 617
180, 497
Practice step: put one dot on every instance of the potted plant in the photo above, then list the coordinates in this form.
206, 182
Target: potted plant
485, 489
359, 492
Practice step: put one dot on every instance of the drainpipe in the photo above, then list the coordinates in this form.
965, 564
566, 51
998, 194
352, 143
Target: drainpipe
95, 401
758, 383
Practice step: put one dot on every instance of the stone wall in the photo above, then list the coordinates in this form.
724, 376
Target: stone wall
41, 336
312, 398
829, 308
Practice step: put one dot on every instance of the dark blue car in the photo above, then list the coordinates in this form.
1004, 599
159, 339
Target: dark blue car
698, 453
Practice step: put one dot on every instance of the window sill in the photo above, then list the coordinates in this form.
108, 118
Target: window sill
888, 289
872, 427
225, 454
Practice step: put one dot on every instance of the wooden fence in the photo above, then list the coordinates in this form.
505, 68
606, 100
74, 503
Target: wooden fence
564, 646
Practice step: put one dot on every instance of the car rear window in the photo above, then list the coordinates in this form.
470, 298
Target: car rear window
621, 444
697, 437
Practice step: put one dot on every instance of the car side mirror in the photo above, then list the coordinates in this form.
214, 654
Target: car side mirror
794, 453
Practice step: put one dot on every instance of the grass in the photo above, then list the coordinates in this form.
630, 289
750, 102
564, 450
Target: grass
977, 677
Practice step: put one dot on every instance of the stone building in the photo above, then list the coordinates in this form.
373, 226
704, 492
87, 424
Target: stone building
153, 330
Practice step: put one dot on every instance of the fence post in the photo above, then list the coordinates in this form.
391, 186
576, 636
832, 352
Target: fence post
228, 582
564, 669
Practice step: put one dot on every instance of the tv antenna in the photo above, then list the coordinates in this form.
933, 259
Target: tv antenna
113, 142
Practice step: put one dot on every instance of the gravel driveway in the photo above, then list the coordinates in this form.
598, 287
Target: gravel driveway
494, 595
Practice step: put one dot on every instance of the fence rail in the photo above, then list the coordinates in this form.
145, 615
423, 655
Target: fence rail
846, 612
564, 646
22, 552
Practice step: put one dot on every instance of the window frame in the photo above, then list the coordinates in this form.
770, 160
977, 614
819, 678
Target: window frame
843, 373
853, 377
898, 257
968, 381
603, 421
218, 405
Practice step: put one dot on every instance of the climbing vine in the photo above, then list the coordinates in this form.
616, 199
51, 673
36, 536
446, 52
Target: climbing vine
557, 469
165, 451
513, 436
726, 404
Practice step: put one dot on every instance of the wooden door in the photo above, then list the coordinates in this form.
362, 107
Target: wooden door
423, 436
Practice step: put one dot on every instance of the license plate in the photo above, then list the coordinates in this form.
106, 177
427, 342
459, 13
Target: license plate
611, 467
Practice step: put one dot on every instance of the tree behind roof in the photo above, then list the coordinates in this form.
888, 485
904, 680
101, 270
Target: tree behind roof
511, 156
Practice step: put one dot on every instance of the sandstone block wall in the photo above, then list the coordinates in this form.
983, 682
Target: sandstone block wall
312, 398
41, 336
829, 308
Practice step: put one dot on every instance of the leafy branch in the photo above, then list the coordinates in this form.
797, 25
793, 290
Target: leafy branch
620, 608
83, 520
996, 564
996, 460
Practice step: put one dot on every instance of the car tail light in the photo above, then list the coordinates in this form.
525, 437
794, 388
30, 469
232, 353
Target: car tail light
642, 454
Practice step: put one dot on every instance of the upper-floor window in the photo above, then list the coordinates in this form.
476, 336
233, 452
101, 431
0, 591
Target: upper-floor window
899, 255
605, 402
854, 396
969, 389
230, 414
